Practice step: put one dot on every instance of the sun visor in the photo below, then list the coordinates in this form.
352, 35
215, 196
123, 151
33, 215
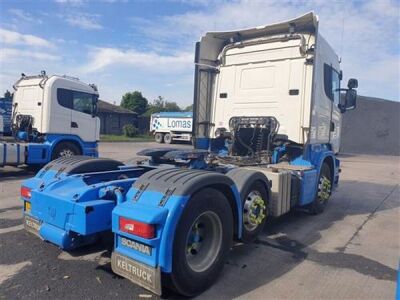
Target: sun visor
212, 43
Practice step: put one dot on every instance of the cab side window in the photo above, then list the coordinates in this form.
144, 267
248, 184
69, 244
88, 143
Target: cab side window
82, 102
332, 83
78, 101
64, 98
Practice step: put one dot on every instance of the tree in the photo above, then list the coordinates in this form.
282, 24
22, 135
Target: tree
171, 106
160, 105
134, 101
7, 94
189, 108
156, 106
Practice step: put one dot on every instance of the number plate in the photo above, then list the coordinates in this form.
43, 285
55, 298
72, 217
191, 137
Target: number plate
32, 225
27, 206
143, 275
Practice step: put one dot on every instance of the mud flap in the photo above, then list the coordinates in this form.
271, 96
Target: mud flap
140, 274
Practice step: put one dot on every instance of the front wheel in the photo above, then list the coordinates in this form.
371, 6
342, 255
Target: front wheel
202, 242
324, 190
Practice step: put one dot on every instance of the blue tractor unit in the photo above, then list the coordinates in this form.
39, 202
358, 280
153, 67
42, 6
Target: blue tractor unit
267, 122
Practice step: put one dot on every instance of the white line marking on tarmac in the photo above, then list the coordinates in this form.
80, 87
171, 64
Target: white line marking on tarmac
14, 214
8, 271
11, 229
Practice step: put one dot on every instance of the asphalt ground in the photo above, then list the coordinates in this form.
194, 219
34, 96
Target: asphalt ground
351, 251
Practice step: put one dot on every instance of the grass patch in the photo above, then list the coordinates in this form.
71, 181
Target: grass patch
122, 138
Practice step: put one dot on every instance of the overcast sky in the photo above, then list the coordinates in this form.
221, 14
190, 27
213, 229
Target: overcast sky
149, 45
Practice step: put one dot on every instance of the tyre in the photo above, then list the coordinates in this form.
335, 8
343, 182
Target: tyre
324, 190
255, 211
202, 242
159, 137
168, 138
65, 149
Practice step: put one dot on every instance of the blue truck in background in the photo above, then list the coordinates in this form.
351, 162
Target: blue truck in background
48, 117
266, 127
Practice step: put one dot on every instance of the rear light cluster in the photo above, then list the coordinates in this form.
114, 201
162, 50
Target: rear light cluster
26, 192
143, 230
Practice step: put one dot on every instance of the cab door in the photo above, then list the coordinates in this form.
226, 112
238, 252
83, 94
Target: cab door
84, 121
60, 112
336, 114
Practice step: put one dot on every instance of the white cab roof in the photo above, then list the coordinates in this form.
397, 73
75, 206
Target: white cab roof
50, 80
305, 23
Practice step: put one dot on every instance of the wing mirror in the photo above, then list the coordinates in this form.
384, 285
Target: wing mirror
352, 83
95, 102
348, 101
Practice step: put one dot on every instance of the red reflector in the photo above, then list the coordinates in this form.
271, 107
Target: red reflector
25, 192
137, 228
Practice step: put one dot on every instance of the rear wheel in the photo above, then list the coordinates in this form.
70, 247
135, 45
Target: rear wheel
255, 211
65, 149
324, 190
202, 242
168, 138
159, 137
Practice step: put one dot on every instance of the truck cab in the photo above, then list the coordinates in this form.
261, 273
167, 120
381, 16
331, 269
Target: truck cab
287, 71
53, 116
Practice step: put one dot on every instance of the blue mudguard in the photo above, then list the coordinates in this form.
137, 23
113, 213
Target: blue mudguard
159, 197
315, 155
70, 209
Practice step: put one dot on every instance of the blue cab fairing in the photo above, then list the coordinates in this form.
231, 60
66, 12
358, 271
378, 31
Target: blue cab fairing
40, 153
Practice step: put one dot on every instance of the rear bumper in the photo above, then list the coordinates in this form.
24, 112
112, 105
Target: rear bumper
66, 240
67, 224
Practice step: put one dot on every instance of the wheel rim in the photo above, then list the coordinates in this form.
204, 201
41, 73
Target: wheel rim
203, 241
324, 189
254, 211
66, 153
